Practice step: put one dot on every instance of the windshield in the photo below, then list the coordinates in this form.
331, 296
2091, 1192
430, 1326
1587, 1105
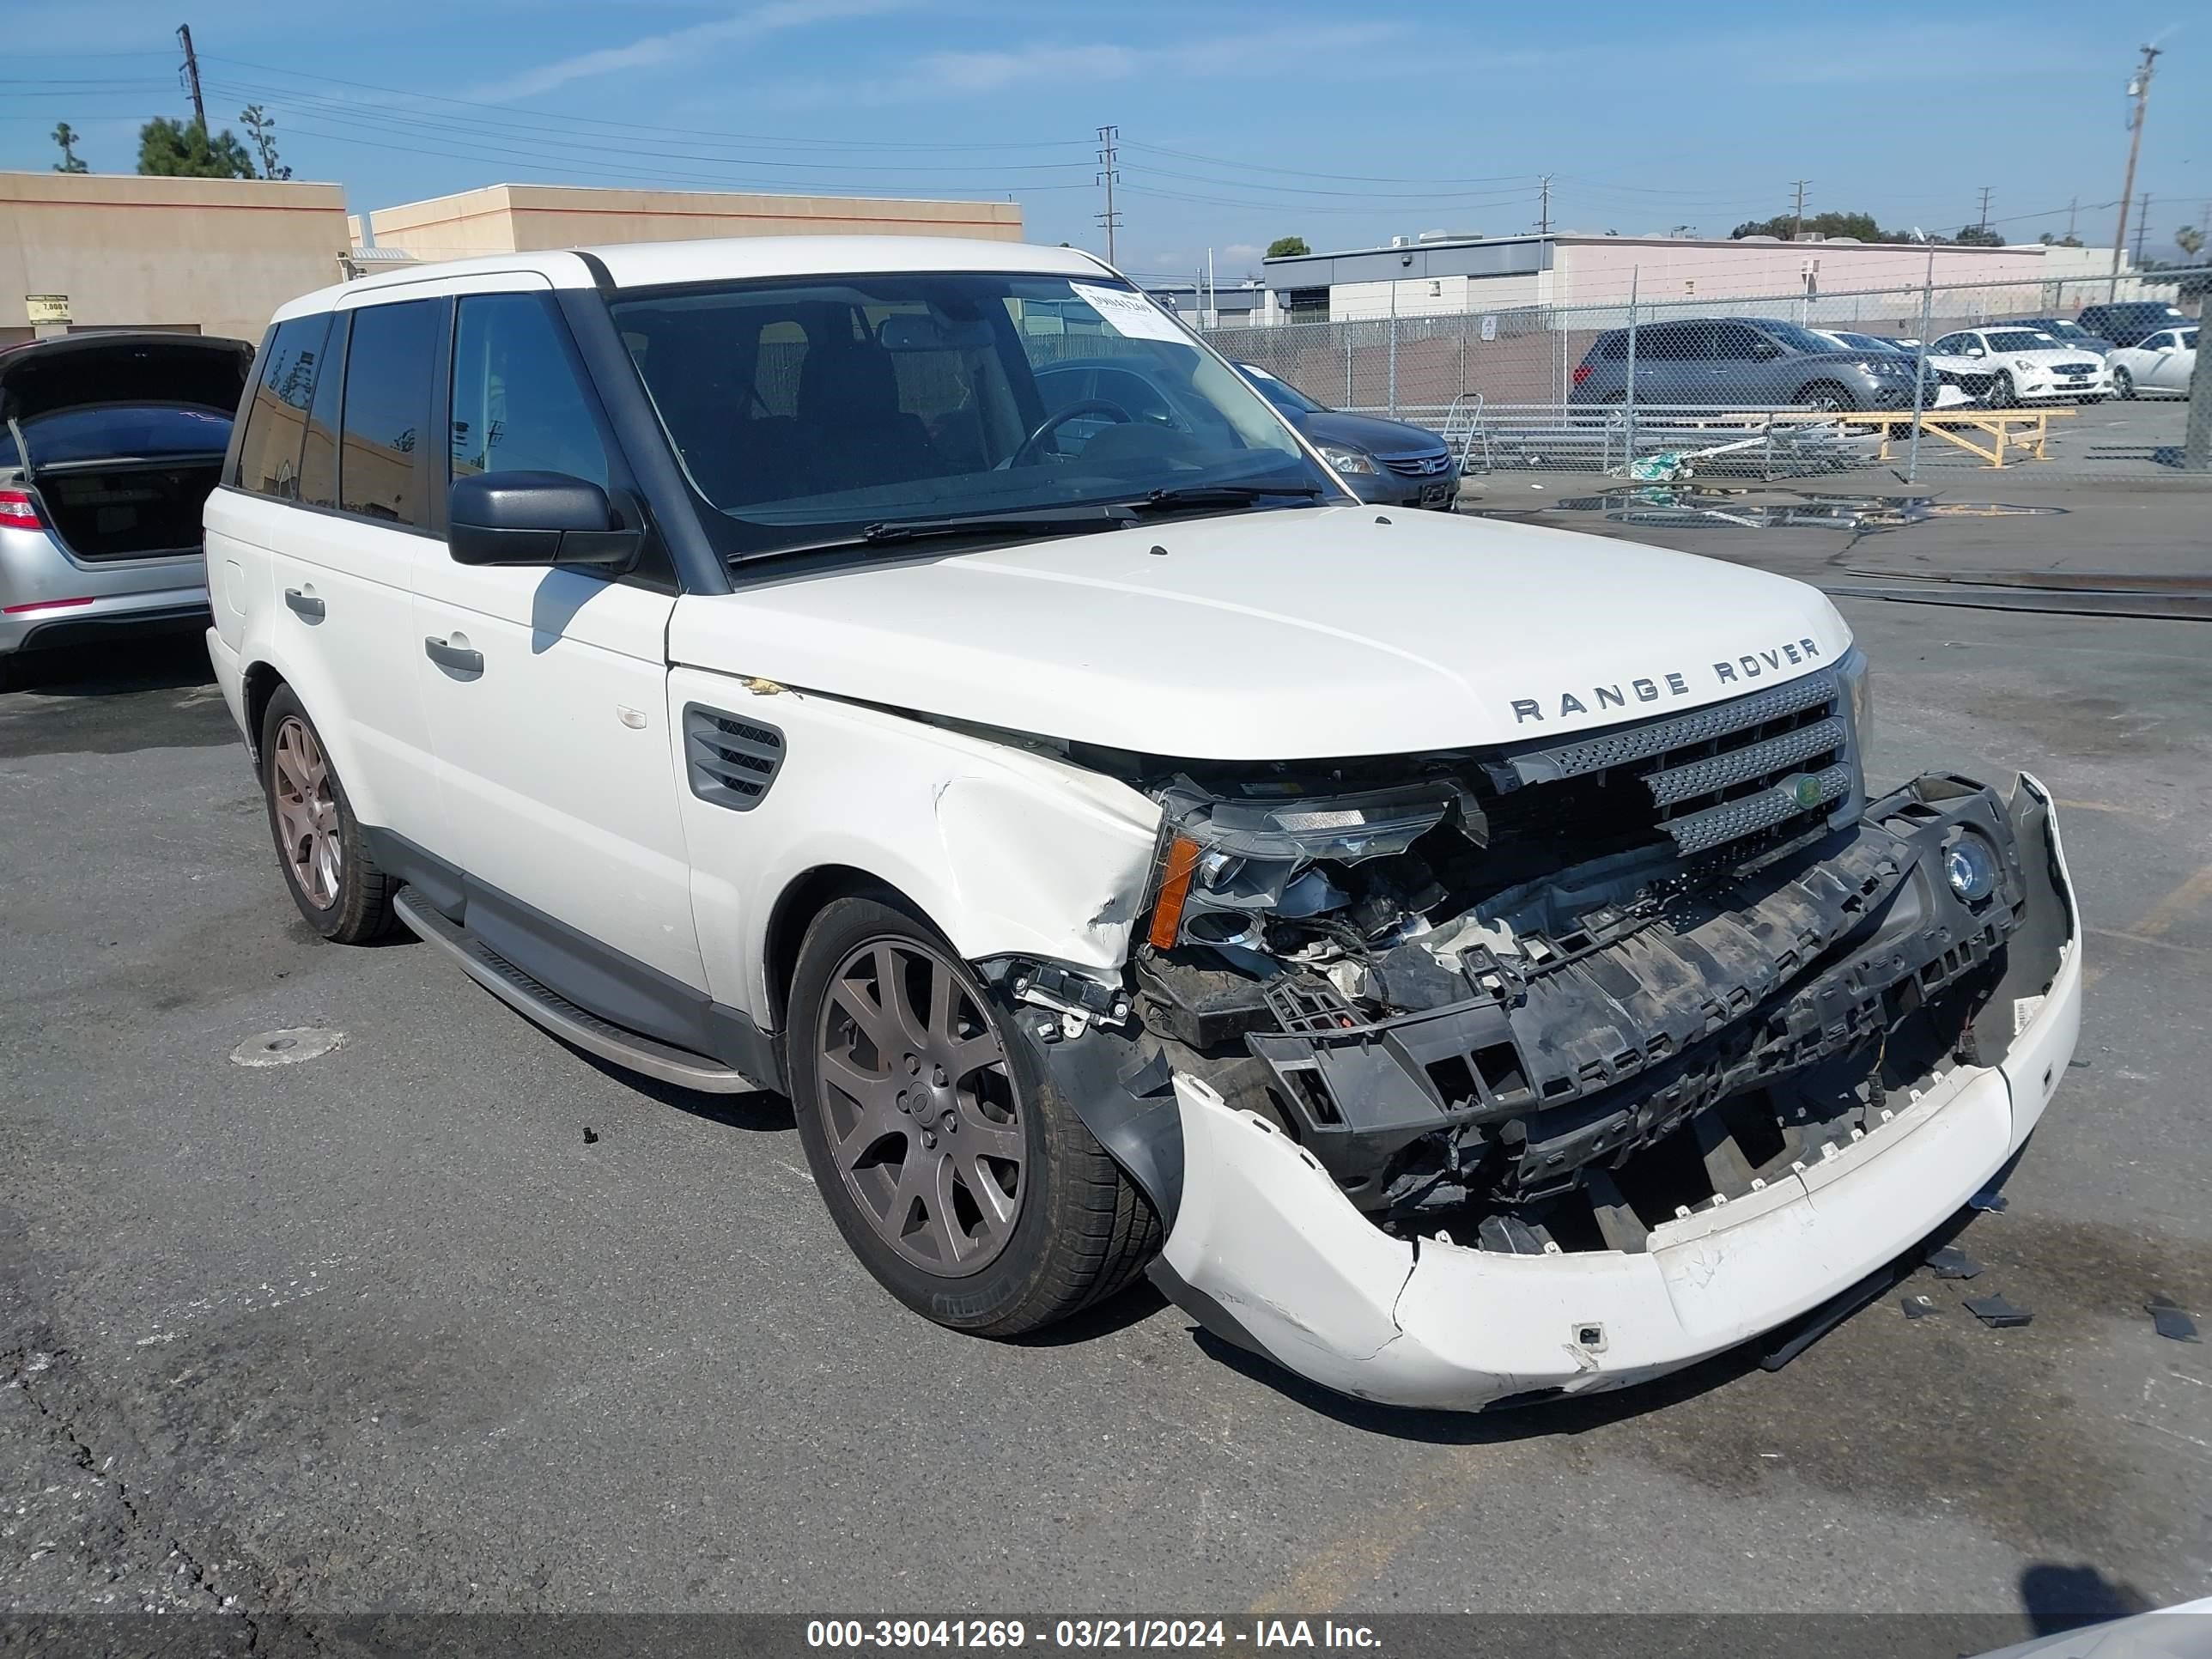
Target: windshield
809, 410
2019, 339
1869, 342
1281, 393
114, 431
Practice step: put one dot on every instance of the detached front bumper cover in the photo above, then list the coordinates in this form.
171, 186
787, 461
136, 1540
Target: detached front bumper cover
1266, 1251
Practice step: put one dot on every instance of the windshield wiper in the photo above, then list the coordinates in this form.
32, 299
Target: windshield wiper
1222, 494
1110, 515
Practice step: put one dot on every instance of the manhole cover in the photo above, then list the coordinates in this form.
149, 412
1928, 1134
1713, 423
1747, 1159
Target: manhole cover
286, 1048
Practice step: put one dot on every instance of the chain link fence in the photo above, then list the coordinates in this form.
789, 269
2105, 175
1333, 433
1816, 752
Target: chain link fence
1917, 381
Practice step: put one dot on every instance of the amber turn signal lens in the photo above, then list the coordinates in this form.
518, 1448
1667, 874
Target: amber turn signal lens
1175, 871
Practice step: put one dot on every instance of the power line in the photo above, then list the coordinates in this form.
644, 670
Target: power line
569, 120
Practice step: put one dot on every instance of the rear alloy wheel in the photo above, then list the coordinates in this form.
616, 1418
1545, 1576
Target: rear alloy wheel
958, 1175
326, 860
2123, 385
2001, 395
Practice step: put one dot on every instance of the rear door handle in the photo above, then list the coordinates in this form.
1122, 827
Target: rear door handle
304, 604
459, 659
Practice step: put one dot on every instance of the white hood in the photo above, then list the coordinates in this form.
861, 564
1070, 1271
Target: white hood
1278, 635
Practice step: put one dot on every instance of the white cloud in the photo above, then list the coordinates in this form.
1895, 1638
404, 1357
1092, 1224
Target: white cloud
678, 45
1043, 64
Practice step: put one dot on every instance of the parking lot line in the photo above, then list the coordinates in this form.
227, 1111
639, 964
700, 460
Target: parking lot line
2175, 905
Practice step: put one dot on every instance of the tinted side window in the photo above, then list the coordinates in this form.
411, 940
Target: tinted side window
518, 405
1734, 342
387, 403
318, 458
276, 415
1668, 343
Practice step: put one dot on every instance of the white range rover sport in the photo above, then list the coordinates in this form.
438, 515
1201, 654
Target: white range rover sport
1459, 960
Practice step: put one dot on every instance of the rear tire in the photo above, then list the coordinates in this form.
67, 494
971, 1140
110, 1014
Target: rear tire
2123, 386
326, 860
892, 1042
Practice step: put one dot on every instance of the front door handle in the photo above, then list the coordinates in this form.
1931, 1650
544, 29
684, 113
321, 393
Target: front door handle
304, 604
457, 657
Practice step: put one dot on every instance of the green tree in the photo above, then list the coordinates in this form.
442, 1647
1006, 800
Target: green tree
1287, 247
1860, 225
261, 127
65, 135
182, 149
2189, 239
1977, 236
2069, 240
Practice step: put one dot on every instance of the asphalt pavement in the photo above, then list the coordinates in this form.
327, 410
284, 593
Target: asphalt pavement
455, 1318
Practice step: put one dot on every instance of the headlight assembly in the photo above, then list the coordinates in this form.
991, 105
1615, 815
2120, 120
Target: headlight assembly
1346, 460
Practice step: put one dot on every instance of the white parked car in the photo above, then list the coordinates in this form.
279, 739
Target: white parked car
1460, 960
2160, 366
2003, 367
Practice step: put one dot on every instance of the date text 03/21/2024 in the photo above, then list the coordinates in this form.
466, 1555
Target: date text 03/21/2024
1084, 1633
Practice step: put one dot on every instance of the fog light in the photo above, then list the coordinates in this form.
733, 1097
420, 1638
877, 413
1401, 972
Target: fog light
1970, 864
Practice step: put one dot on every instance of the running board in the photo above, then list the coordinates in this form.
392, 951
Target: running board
549, 1009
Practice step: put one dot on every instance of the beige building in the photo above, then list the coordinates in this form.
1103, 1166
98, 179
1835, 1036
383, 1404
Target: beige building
512, 218
207, 256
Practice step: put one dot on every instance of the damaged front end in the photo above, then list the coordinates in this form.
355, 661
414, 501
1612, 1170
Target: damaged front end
1560, 1010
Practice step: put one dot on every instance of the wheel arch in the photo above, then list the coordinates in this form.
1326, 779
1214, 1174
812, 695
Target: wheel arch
803, 898
260, 682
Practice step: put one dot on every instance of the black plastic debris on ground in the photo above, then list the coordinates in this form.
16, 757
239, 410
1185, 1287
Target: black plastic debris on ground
590, 1136
2172, 1319
1951, 1263
1916, 1307
1996, 1312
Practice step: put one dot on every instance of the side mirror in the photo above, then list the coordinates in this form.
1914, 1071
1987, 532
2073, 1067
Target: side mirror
536, 519
1975, 351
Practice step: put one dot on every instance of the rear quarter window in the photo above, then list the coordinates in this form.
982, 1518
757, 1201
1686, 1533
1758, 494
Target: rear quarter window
276, 413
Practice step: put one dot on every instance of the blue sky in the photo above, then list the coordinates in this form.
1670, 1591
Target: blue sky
1240, 121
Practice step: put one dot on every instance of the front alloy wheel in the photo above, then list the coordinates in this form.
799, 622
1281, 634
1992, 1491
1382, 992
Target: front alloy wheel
954, 1168
2123, 384
918, 1109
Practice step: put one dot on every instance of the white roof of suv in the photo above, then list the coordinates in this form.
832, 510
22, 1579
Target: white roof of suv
732, 258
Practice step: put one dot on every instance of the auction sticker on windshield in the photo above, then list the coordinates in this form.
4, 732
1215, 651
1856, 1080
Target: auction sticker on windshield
1129, 314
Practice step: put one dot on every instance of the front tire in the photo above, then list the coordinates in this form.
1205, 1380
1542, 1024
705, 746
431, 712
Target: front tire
2123, 386
1829, 398
958, 1175
2001, 395
340, 890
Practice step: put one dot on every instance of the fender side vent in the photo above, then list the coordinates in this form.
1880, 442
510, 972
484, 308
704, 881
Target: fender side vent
731, 761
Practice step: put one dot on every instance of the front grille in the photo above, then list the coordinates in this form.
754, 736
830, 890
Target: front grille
1706, 779
1416, 466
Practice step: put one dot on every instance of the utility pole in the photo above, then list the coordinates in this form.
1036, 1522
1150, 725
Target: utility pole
1985, 220
2142, 225
2073, 205
1544, 208
2138, 89
1109, 144
192, 74
1797, 214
